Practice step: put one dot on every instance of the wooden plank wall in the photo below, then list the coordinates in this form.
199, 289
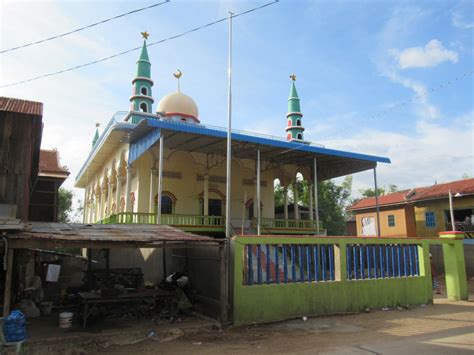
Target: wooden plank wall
17, 145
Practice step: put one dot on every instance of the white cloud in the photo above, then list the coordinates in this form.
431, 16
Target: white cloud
431, 152
431, 55
459, 21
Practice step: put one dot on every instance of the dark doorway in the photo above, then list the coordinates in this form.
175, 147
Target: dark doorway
215, 207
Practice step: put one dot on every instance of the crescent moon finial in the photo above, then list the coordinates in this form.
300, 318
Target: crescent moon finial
177, 74
293, 77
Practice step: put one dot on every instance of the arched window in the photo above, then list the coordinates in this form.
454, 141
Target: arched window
299, 136
143, 107
288, 136
298, 122
144, 90
289, 123
166, 205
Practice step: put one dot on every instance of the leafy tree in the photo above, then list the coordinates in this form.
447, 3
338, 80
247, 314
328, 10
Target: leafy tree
279, 195
65, 197
332, 201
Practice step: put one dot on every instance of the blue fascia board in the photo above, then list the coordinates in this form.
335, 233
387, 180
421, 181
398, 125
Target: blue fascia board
198, 129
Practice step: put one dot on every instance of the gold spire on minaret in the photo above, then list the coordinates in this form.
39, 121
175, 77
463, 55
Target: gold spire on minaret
177, 74
293, 77
145, 34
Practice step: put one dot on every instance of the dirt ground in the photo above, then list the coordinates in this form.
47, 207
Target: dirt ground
442, 328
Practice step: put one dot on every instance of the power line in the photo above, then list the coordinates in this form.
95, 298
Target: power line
83, 28
137, 48
382, 114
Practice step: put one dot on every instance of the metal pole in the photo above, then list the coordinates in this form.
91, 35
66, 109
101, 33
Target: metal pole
259, 217
229, 139
377, 201
160, 178
316, 204
451, 211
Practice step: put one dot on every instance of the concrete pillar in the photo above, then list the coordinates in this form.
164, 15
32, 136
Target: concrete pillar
153, 189
316, 202
295, 196
206, 194
160, 178
311, 215
285, 207
97, 207
91, 208
454, 266
118, 194
109, 198
128, 190
259, 212
103, 203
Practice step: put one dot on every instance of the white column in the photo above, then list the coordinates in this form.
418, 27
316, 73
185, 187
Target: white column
295, 196
206, 194
310, 202
103, 203
153, 188
285, 207
316, 202
128, 190
160, 177
97, 207
109, 198
118, 194
259, 212
91, 208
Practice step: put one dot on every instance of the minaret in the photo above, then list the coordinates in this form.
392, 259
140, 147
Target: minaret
96, 135
141, 98
294, 129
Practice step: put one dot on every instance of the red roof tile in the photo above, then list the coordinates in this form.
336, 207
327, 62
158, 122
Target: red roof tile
389, 199
49, 163
463, 187
21, 106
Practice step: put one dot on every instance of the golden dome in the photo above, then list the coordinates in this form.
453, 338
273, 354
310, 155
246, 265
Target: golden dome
178, 104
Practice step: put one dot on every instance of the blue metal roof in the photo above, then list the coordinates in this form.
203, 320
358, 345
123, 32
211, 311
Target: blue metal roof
261, 140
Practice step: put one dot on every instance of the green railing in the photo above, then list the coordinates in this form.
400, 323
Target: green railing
213, 223
168, 219
291, 226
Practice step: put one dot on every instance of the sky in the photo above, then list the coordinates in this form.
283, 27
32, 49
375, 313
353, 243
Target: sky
387, 78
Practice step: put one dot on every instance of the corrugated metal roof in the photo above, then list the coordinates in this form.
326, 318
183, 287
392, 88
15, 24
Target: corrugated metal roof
462, 187
10, 104
119, 233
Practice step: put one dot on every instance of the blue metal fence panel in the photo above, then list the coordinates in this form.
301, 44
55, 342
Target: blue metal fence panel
249, 266
308, 263
293, 264
300, 262
417, 261
323, 262
259, 264
316, 263
267, 263
277, 266
331, 262
285, 264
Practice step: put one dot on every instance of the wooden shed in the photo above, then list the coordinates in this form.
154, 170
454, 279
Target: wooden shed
21, 126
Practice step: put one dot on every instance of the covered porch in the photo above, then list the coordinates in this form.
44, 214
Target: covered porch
258, 161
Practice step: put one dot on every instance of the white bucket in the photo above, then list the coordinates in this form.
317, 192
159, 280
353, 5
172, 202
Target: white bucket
65, 320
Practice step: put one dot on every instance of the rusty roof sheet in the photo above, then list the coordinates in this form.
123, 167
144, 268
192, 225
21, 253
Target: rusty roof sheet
119, 233
10, 104
49, 163
463, 187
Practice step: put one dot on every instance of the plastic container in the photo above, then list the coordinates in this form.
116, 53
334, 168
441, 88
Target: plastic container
14, 327
65, 320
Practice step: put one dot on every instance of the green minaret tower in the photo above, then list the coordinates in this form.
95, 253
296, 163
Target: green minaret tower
142, 99
294, 129
96, 135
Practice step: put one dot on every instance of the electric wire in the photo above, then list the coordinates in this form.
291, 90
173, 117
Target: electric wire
137, 48
83, 28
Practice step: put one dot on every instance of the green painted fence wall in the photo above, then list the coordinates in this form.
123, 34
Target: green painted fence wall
273, 302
